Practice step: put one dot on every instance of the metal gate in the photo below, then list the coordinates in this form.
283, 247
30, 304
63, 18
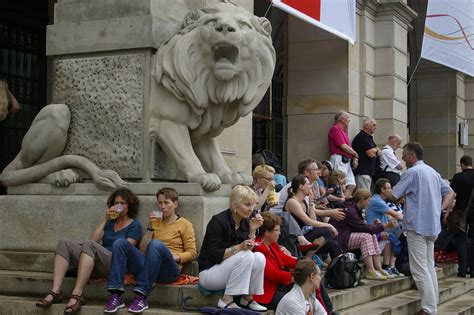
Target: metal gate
23, 66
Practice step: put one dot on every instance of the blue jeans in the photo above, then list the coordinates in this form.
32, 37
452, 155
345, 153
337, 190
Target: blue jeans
157, 266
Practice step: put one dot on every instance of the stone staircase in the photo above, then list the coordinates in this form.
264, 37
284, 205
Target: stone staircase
20, 289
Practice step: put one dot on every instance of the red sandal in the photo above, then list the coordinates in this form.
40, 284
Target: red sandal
73, 309
57, 298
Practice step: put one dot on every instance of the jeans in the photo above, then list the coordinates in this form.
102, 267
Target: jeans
460, 239
157, 266
421, 253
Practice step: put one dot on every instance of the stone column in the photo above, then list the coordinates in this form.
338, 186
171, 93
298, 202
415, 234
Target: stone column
437, 107
469, 110
390, 95
101, 53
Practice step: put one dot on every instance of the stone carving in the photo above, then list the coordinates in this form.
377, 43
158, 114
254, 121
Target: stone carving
40, 156
105, 97
213, 71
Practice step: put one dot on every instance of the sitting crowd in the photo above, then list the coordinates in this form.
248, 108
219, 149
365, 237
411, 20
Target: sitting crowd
265, 251
260, 252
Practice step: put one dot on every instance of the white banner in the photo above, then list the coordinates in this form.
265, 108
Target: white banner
334, 16
449, 34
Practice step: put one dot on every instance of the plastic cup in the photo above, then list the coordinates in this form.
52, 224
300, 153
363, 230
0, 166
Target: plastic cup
154, 221
272, 197
115, 214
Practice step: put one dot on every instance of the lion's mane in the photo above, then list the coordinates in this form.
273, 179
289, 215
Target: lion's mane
184, 70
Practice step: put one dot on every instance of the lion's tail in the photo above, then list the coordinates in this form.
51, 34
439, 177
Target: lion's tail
106, 179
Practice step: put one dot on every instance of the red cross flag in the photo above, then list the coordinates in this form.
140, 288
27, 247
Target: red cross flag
334, 16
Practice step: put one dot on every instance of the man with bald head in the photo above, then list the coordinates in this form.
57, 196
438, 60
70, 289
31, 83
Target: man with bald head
389, 163
363, 143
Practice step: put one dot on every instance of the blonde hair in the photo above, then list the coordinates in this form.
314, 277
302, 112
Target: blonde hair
335, 176
241, 194
262, 170
361, 194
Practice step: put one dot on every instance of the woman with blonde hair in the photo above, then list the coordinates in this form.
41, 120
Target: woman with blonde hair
355, 233
226, 261
264, 185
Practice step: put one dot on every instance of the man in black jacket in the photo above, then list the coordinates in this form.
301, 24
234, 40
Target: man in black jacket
463, 184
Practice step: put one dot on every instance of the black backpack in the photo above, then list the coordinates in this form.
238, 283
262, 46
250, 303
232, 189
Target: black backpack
343, 272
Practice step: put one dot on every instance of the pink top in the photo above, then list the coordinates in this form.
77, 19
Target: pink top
336, 137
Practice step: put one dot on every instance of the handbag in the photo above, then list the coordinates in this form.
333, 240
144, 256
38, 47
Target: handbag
456, 220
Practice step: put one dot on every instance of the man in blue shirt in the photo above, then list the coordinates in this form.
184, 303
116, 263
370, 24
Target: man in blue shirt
426, 193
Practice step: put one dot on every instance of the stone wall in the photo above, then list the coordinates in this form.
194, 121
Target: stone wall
326, 74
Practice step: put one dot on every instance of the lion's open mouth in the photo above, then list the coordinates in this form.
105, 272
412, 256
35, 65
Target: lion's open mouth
225, 53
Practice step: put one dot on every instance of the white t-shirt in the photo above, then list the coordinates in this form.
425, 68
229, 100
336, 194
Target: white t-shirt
389, 159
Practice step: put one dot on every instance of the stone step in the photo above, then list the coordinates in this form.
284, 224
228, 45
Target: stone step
408, 302
462, 305
14, 305
34, 284
376, 289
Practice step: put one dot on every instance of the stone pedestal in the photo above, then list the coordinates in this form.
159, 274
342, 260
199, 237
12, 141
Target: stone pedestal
34, 217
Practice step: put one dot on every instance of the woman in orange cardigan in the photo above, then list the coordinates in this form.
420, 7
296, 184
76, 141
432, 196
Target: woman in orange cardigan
277, 276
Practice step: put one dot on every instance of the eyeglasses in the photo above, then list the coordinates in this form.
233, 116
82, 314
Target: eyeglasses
312, 169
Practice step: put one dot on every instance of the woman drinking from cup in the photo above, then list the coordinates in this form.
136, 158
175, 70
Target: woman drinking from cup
169, 243
90, 256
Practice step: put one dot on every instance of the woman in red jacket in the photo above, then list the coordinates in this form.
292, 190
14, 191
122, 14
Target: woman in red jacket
277, 279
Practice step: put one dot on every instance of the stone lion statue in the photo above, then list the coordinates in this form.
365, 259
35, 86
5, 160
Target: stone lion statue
40, 157
213, 71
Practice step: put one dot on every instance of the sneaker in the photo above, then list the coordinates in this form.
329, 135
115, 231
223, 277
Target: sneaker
375, 275
388, 274
139, 304
395, 271
114, 303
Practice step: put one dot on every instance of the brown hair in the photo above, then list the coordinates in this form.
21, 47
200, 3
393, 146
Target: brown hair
269, 222
303, 270
130, 198
302, 165
361, 194
169, 193
335, 176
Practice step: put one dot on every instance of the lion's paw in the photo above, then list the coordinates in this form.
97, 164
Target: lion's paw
63, 178
236, 179
208, 181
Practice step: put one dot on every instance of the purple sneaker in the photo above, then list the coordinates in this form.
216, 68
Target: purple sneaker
114, 303
139, 304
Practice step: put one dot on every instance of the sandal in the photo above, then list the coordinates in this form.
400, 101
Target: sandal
73, 309
57, 298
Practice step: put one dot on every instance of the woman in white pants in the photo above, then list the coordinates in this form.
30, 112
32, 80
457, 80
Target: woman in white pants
226, 261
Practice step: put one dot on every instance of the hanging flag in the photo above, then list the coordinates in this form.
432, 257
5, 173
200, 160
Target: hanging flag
449, 34
334, 16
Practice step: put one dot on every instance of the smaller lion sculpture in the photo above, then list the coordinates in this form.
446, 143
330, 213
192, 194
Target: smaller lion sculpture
213, 71
40, 157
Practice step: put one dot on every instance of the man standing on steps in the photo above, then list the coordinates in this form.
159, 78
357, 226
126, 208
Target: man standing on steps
426, 193
341, 150
462, 184
389, 163
363, 143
